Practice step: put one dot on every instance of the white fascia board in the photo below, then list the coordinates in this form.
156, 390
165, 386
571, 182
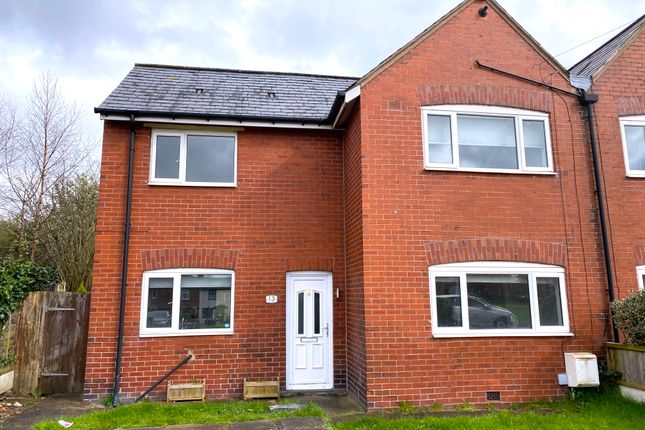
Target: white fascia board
352, 93
229, 123
348, 103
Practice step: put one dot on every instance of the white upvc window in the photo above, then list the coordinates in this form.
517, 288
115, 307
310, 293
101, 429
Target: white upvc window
486, 139
486, 299
193, 158
181, 302
632, 131
640, 272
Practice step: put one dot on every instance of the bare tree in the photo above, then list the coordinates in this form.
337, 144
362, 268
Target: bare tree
68, 232
46, 149
7, 124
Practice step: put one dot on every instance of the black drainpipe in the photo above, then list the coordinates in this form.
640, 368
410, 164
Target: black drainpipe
588, 100
124, 270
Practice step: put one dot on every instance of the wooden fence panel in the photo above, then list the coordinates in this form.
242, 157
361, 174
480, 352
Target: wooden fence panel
51, 345
29, 348
630, 361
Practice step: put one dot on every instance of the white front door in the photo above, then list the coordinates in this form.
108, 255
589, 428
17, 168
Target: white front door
309, 331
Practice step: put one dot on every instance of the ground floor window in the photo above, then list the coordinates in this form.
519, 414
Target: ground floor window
498, 299
187, 302
640, 272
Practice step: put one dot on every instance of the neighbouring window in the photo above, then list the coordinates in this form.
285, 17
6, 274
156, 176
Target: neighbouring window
498, 299
199, 158
640, 272
187, 301
633, 137
484, 138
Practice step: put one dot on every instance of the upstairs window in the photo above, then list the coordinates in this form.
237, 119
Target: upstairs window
487, 139
633, 136
198, 159
498, 299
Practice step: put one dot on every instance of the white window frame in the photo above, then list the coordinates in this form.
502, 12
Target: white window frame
174, 330
640, 272
517, 114
638, 121
181, 180
533, 271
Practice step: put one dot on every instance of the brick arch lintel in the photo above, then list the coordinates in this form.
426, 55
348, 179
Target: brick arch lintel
173, 258
495, 249
634, 105
639, 254
429, 95
310, 263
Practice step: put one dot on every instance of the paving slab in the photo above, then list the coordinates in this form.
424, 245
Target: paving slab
333, 405
301, 423
254, 425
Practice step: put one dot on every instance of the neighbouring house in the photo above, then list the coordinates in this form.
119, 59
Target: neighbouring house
427, 232
614, 73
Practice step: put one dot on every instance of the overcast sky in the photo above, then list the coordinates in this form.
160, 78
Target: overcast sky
92, 44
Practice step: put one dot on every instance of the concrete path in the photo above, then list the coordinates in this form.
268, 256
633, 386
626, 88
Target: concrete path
49, 408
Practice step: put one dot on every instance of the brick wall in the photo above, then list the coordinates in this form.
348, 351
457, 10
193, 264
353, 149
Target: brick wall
620, 89
409, 214
286, 214
356, 376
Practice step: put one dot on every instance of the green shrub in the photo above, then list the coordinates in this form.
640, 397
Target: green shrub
17, 279
629, 316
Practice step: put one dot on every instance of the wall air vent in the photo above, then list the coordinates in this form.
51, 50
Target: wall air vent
493, 396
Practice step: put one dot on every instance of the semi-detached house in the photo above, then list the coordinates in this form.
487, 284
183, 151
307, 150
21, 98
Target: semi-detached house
427, 232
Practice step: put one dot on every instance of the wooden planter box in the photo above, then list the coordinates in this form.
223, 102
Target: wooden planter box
630, 361
183, 392
261, 389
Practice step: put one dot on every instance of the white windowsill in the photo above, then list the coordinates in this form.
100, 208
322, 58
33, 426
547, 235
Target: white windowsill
518, 333
636, 175
505, 171
187, 333
194, 184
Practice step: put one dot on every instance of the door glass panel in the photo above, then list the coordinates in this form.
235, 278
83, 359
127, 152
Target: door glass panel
205, 302
159, 313
301, 313
167, 157
316, 313
550, 305
448, 301
498, 301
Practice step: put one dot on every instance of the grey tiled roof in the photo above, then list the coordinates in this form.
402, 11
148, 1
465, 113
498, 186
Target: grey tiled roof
593, 62
218, 93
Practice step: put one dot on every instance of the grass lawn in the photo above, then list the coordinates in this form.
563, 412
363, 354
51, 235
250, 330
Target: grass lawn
146, 414
589, 411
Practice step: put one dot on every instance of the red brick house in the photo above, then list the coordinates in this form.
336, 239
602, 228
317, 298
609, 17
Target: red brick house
614, 73
427, 232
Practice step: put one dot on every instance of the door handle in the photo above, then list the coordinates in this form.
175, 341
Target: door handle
326, 328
